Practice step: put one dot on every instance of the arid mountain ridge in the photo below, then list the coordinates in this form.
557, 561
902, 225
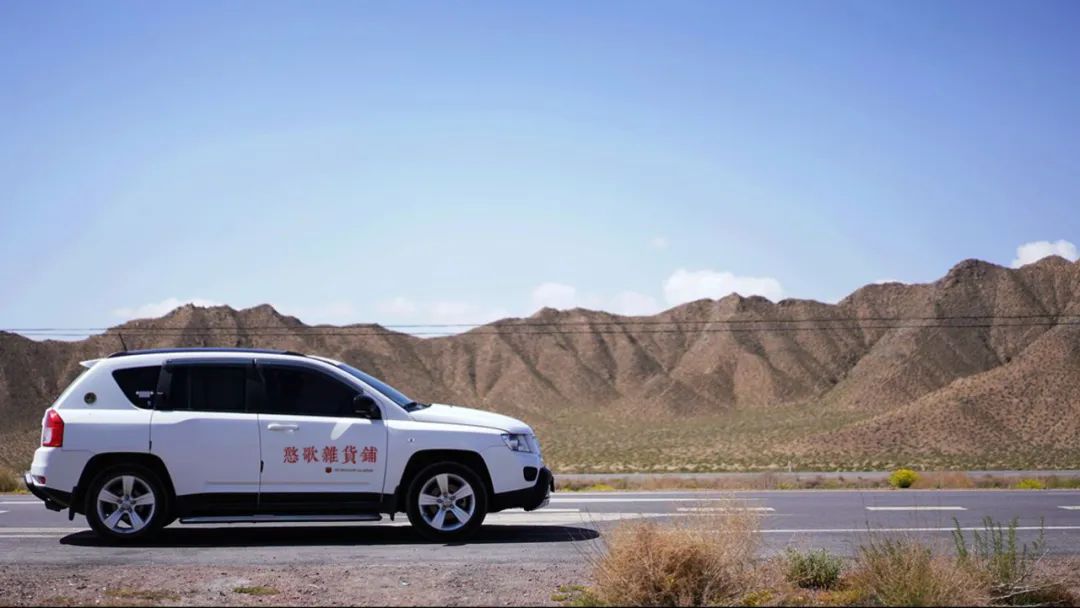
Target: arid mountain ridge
981, 366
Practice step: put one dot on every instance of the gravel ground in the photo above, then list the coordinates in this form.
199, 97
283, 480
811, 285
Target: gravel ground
375, 585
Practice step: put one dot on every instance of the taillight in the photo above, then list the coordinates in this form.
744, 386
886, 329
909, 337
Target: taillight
52, 431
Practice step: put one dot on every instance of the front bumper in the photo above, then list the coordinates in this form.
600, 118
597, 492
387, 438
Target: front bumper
529, 499
54, 500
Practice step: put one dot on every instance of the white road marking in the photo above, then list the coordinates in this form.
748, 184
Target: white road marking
20, 502
873, 530
915, 508
540, 510
724, 509
1070, 507
636, 499
45, 531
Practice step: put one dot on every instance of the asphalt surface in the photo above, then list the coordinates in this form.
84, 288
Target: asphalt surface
780, 475
568, 530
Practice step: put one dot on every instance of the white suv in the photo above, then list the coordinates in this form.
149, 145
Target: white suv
143, 438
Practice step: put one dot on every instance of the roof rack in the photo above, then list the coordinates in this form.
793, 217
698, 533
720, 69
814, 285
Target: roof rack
206, 349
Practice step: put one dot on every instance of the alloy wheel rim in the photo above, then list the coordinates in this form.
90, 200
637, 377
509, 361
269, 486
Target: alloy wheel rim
126, 504
447, 502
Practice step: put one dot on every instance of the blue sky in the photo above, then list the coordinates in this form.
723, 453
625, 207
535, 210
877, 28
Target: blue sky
455, 162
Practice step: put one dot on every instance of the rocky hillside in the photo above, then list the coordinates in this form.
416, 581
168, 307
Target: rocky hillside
980, 367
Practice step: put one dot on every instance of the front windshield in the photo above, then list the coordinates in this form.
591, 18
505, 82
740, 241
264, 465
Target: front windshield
391, 393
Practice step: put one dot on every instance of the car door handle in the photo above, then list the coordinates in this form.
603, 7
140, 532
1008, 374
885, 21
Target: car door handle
282, 427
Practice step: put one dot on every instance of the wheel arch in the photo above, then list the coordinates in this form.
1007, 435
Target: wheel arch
100, 462
424, 458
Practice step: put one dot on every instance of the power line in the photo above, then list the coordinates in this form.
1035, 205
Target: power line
1056, 318
512, 330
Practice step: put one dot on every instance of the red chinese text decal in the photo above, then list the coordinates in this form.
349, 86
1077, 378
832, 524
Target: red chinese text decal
330, 454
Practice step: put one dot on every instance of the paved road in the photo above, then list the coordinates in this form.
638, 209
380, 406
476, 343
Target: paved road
780, 475
567, 531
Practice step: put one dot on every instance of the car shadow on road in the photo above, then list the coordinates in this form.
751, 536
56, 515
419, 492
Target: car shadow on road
275, 535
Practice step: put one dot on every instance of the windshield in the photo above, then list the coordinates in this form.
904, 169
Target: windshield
391, 393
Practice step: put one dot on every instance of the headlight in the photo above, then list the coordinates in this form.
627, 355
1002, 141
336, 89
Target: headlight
517, 442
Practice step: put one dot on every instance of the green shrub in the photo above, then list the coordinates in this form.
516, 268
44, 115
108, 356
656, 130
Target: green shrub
903, 478
256, 590
1009, 567
816, 569
575, 595
1031, 484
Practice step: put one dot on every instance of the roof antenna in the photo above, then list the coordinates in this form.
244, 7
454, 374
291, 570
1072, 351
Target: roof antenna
122, 345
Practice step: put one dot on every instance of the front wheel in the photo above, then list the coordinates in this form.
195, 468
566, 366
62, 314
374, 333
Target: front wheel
447, 502
126, 504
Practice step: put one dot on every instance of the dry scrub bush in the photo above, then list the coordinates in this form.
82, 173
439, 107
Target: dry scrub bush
903, 572
9, 481
695, 561
937, 480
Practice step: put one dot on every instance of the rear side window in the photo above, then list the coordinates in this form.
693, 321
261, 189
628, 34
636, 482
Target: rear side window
304, 392
208, 388
138, 384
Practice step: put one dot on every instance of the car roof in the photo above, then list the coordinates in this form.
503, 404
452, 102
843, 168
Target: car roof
158, 356
205, 350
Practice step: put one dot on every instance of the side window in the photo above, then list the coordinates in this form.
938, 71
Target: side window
138, 384
208, 388
304, 392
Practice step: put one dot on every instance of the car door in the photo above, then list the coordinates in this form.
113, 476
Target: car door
318, 454
206, 434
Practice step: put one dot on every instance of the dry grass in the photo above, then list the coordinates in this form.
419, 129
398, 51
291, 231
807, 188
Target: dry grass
903, 572
602, 441
694, 561
714, 560
929, 480
937, 480
759, 481
256, 590
145, 595
9, 481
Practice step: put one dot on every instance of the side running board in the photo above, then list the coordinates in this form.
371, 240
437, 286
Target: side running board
259, 519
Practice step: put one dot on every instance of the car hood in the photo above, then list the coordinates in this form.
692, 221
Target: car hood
453, 414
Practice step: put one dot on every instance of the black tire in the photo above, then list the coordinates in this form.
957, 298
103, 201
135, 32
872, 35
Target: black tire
138, 520
424, 518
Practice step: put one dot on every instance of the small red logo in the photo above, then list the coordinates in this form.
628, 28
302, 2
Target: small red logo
328, 469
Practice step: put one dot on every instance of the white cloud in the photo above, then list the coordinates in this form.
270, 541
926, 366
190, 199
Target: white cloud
1035, 251
158, 309
456, 312
658, 242
426, 316
339, 312
399, 306
555, 295
564, 297
634, 303
689, 285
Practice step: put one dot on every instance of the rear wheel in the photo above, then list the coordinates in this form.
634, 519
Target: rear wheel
447, 502
126, 503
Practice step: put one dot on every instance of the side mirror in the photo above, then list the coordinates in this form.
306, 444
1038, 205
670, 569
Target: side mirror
365, 407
